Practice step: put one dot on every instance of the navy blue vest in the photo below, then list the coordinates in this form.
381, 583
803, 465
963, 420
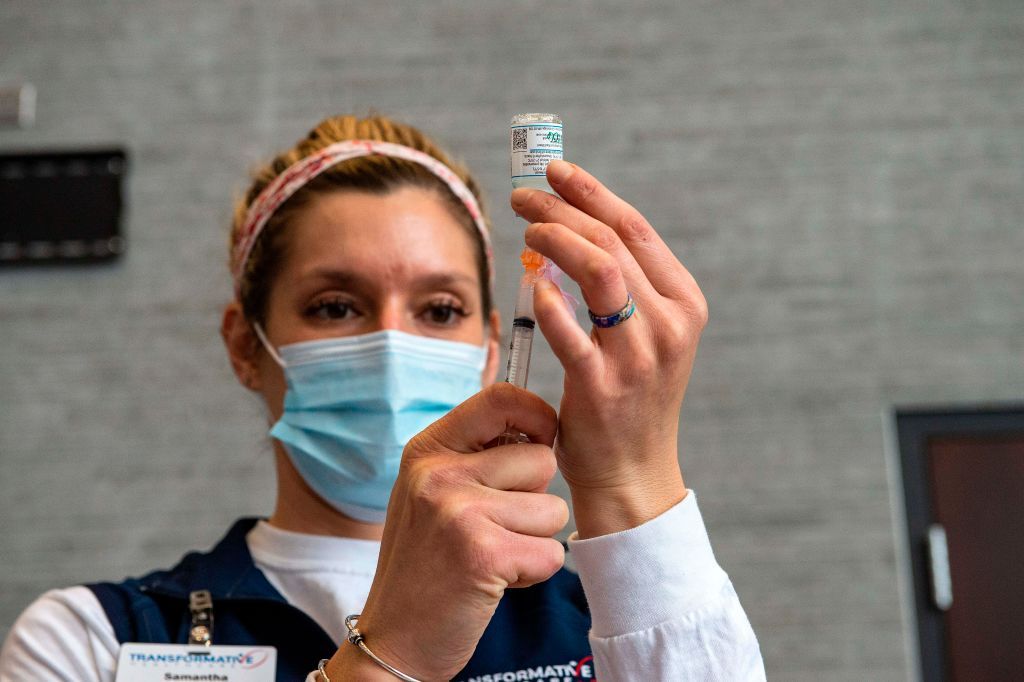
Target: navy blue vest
541, 630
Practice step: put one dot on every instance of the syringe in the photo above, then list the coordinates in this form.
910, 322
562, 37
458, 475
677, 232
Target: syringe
522, 333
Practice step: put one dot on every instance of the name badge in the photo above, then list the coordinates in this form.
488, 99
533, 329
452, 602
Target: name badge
164, 662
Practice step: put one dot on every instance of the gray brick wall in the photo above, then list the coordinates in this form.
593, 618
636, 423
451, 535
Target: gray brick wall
843, 177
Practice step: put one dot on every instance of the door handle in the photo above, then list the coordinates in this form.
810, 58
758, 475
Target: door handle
938, 565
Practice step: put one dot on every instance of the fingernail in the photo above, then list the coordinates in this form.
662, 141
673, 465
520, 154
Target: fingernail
543, 285
559, 171
518, 195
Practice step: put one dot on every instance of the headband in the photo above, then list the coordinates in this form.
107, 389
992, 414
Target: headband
303, 171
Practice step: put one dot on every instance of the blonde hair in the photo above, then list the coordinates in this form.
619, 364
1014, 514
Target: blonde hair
375, 174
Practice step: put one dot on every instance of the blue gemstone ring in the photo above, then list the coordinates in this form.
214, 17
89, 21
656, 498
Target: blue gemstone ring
616, 318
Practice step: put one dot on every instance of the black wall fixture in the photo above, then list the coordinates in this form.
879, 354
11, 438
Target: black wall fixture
61, 207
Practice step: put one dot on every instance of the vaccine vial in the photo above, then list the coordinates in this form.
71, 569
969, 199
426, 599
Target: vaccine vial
535, 141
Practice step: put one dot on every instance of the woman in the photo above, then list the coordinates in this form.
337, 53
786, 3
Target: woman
364, 318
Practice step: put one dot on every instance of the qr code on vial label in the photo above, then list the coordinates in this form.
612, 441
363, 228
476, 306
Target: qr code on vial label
519, 139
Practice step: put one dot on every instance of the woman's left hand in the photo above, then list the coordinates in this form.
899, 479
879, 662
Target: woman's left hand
624, 385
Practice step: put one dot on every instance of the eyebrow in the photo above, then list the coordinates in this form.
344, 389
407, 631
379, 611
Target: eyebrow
349, 279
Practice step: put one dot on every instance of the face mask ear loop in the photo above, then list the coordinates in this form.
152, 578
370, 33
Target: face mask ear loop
266, 344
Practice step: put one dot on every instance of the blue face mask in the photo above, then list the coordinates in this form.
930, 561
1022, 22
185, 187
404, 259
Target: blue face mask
354, 402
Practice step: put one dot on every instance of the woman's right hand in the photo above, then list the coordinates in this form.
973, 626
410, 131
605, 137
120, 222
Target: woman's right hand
465, 522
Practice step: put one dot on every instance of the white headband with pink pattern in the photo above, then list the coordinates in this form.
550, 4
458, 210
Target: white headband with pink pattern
303, 171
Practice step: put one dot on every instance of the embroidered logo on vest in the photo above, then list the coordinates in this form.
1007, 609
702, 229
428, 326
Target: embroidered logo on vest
573, 671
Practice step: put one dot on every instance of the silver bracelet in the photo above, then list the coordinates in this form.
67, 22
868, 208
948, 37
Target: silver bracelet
356, 637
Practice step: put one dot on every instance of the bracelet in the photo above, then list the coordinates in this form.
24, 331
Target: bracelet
356, 637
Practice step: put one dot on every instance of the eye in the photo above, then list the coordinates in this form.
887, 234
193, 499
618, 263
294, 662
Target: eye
444, 312
331, 309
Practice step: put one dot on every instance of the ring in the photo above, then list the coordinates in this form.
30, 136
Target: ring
616, 318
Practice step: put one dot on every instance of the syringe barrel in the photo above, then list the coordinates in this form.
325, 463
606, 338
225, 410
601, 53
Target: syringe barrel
519, 352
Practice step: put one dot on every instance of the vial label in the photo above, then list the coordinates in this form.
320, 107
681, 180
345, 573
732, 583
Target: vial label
534, 145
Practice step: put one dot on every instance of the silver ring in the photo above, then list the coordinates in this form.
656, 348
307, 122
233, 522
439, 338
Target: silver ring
616, 318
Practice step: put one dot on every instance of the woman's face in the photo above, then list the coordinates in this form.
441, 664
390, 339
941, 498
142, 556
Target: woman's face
357, 263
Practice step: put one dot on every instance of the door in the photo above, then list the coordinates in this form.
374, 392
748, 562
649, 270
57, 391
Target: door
963, 476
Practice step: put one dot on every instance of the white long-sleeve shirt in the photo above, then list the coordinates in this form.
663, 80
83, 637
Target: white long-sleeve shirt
661, 607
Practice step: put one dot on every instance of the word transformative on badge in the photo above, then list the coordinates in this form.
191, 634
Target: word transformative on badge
163, 662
